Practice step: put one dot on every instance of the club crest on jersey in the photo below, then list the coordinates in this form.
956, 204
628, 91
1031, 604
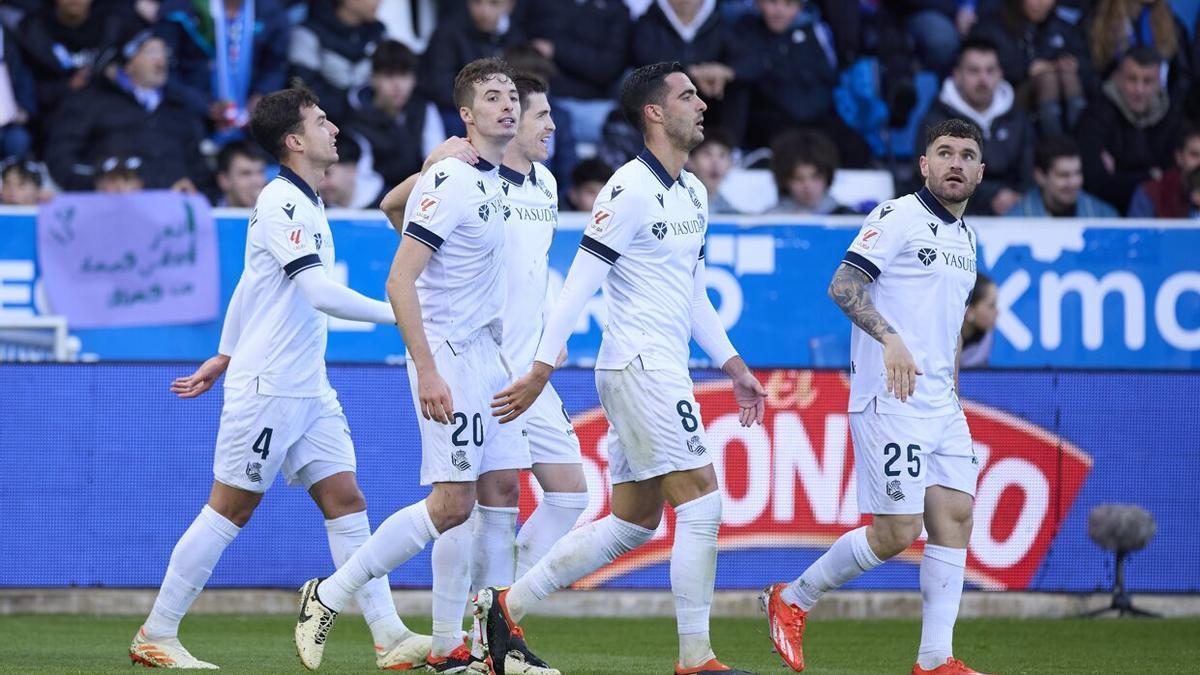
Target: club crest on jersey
254, 472
459, 459
927, 256
290, 209
439, 179
659, 230
317, 240
425, 209
867, 240
599, 221
296, 236
695, 446
894, 491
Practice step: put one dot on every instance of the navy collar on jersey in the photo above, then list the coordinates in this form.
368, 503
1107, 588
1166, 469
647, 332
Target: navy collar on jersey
660, 172
516, 177
935, 207
295, 179
484, 165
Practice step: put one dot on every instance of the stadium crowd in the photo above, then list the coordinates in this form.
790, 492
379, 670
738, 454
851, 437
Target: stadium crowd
1089, 108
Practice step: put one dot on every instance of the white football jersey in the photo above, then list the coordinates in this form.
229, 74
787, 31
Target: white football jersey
281, 348
921, 260
458, 211
650, 228
530, 222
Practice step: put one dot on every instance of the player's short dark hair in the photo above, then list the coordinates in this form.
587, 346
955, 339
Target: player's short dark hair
796, 148
478, 72
591, 170
1187, 131
281, 113
1143, 55
247, 149
528, 84
1051, 149
644, 86
976, 44
393, 58
955, 128
982, 281
717, 136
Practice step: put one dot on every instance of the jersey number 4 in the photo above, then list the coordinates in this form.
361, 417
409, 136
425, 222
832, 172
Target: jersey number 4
262, 446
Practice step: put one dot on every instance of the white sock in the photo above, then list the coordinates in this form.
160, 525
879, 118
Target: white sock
849, 557
397, 539
548, 523
941, 590
346, 535
192, 562
451, 561
693, 571
581, 552
495, 533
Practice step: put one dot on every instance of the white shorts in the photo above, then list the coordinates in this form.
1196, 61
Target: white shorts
474, 443
548, 432
655, 426
259, 435
897, 457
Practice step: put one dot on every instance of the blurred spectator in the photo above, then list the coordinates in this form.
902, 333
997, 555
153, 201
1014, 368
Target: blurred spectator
1193, 183
61, 43
936, 26
332, 50
338, 186
587, 40
119, 174
1058, 172
226, 54
1168, 196
18, 99
410, 22
693, 33
786, 59
803, 163
133, 113
399, 126
1044, 58
563, 156
485, 30
587, 180
241, 174
1116, 26
979, 324
22, 183
619, 141
711, 161
1128, 134
978, 92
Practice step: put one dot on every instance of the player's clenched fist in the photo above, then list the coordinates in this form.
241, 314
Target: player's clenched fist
435, 400
901, 369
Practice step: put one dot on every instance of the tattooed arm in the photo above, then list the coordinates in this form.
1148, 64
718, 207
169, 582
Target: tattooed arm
848, 290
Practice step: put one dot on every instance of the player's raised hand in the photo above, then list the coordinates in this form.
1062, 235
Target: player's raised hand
202, 380
751, 398
901, 369
437, 403
518, 396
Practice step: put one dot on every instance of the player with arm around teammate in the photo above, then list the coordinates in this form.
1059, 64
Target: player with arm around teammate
904, 284
645, 243
280, 412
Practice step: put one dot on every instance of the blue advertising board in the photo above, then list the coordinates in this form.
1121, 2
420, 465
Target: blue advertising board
107, 469
1072, 294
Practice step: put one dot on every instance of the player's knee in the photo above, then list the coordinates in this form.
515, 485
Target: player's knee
236, 513
450, 505
893, 534
499, 488
344, 503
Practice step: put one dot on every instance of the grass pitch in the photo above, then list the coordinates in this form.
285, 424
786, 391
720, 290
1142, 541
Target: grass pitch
263, 644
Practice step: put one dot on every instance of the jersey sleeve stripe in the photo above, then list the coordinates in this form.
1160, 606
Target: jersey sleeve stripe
855, 260
424, 236
300, 264
599, 250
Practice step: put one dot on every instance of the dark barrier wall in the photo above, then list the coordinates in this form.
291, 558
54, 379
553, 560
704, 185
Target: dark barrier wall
104, 469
